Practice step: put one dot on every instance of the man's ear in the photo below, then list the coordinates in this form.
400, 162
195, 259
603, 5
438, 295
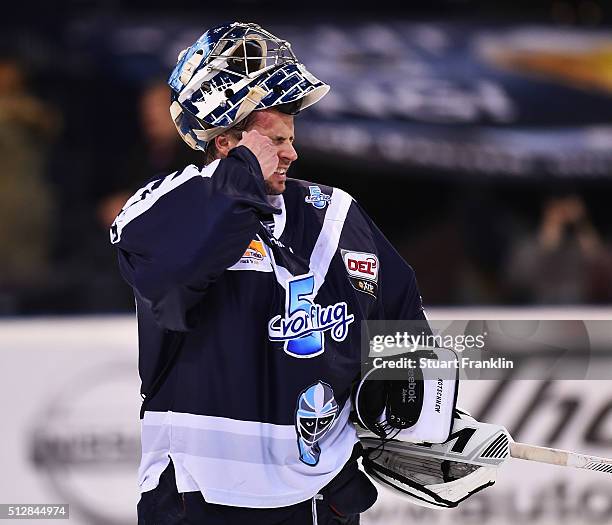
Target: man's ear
224, 143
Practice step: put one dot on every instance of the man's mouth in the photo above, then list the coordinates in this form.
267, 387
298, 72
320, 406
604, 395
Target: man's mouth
281, 173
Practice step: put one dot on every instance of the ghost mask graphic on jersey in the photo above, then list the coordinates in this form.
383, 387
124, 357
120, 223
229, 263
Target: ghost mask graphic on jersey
316, 413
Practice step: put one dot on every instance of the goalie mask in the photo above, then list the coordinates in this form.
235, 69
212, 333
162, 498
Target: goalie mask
230, 71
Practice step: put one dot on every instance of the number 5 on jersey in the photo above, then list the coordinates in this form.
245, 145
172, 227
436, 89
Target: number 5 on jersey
302, 326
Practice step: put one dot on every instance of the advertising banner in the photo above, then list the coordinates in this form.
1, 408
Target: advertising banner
512, 100
69, 393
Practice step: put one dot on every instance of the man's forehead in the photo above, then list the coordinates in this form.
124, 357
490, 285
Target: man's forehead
270, 119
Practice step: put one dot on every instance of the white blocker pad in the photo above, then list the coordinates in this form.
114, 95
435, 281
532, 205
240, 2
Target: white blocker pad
439, 398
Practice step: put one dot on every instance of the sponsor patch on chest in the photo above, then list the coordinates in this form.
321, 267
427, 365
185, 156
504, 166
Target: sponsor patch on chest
255, 258
362, 268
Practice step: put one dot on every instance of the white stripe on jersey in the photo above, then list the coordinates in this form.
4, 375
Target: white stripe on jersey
240, 463
280, 219
329, 237
148, 195
327, 242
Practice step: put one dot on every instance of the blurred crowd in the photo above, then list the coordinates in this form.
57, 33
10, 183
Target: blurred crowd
56, 205
65, 172
538, 248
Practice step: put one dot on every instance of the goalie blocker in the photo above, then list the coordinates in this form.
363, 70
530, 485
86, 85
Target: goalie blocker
417, 409
400, 421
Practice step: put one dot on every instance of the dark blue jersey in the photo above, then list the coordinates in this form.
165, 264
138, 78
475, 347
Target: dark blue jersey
249, 308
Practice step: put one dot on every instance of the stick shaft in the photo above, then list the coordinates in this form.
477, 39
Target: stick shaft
540, 454
555, 456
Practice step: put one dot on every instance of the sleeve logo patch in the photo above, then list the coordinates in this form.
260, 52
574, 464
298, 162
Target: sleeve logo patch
317, 198
255, 251
362, 269
255, 258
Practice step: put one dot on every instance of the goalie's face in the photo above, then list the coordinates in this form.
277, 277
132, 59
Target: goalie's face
279, 128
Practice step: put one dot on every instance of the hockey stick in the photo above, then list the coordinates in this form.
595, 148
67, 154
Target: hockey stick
485, 445
555, 456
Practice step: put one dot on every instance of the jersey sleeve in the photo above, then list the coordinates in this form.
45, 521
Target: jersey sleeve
398, 293
178, 234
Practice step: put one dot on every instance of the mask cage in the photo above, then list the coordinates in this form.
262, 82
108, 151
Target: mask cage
249, 54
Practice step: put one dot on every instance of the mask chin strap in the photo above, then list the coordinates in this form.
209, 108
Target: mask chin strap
190, 66
250, 102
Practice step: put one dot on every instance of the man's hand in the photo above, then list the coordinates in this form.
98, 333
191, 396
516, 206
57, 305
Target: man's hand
263, 148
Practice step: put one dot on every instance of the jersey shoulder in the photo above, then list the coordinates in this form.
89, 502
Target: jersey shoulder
144, 199
313, 191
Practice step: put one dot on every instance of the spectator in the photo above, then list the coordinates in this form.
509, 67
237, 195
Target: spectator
160, 150
27, 128
91, 280
565, 261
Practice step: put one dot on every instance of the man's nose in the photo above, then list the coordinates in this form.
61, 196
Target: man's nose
287, 152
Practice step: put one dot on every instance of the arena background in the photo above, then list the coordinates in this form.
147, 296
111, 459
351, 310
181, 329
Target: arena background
477, 135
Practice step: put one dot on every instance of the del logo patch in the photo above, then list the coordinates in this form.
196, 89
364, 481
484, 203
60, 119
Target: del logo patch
362, 269
255, 258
